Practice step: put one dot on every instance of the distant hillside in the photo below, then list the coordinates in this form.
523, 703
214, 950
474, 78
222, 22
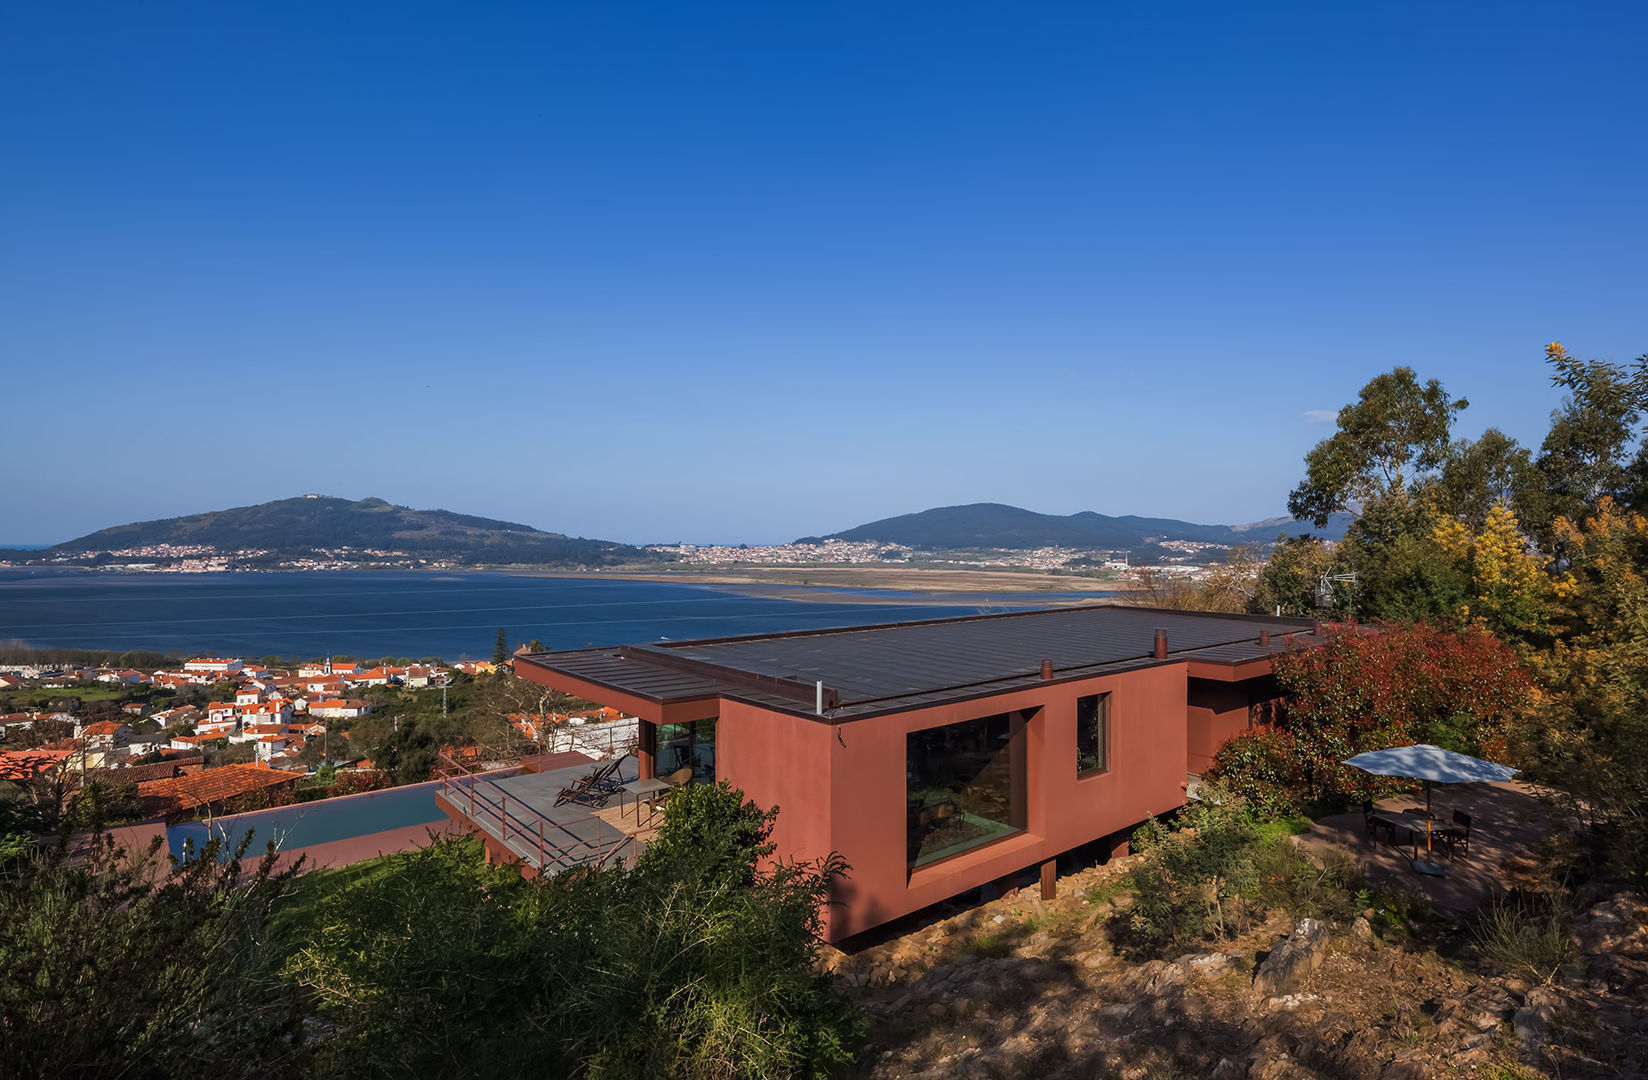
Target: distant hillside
307, 526
994, 525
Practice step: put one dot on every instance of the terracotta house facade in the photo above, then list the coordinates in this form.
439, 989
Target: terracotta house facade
940, 756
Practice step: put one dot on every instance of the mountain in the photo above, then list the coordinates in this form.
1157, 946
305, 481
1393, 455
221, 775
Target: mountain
995, 525
316, 526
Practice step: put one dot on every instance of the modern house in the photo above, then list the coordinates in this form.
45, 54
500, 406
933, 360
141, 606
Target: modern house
941, 756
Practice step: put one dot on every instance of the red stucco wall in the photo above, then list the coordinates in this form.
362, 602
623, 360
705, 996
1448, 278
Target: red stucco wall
862, 813
783, 761
1217, 711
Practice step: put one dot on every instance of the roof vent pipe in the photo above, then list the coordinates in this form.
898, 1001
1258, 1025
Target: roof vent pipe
1046, 669
1161, 643
1264, 637
820, 706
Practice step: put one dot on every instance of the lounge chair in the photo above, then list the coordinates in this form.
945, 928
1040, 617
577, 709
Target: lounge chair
593, 788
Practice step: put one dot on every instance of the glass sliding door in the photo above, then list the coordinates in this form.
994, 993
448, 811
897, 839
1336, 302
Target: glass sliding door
964, 786
684, 746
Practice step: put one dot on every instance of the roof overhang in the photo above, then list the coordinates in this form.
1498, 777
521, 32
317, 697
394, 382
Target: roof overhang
647, 708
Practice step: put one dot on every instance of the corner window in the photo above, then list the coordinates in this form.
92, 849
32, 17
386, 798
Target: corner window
965, 786
1092, 734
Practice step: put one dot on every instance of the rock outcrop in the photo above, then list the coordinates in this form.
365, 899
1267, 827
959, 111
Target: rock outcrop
1291, 962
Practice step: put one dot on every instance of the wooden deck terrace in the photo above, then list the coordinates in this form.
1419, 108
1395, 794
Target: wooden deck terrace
516, 817
1509, 824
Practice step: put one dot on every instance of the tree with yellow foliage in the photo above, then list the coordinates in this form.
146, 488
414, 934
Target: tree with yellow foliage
1594, 742
1510, 589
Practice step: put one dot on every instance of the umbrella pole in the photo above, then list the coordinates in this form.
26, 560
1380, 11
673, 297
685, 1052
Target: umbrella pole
1427, 821
1429, 865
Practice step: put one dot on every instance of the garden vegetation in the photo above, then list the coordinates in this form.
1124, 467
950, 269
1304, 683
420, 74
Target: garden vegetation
700, 961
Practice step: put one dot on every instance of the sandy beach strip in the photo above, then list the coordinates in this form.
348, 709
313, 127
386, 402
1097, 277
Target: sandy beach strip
817, 583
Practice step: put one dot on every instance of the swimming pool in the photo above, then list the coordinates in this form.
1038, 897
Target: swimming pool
308, 824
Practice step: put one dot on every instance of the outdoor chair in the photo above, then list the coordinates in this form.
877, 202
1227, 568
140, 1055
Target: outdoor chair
1458, 834
1371, 825
680, 776
593, 788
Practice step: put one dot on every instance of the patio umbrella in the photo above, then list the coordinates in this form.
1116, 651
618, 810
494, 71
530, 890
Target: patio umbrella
1433, 765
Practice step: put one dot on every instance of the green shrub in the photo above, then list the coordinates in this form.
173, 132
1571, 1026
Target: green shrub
711, 828
697, 963
1207, 877
1261, 768
1289, 879
113, 964
1192, 881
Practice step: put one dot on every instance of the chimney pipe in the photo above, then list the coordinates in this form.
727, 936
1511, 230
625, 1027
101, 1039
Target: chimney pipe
1264, 637
820, 707
1161, 643
1317, 629
1046, 669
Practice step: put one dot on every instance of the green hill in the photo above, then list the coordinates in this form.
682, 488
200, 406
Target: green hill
995, 525
314, 525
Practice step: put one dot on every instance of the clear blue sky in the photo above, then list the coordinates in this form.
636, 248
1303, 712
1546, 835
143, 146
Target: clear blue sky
743, 272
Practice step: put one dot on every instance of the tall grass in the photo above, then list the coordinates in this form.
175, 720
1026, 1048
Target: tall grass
1528, 936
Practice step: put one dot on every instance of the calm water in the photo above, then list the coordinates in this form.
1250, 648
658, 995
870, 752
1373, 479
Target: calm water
306, 824
396, 613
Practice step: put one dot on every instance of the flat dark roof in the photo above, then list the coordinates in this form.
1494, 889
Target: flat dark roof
868, 670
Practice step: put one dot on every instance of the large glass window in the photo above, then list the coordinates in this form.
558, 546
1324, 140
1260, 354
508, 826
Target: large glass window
964, 785
682, 746
1092, 734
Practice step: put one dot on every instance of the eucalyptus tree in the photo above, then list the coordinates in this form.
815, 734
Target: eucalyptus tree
1584, 456
1393, 438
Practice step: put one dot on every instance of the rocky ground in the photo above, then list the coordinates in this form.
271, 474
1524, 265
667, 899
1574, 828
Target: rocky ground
1022, 988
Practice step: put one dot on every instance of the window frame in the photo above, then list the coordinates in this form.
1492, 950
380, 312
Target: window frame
1018, 767
1101, 713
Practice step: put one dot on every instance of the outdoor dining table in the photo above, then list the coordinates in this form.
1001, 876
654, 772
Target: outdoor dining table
639, 791
1413, 823
1433, 765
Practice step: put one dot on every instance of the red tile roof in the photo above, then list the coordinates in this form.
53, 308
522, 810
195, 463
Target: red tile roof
213, 785
27, 764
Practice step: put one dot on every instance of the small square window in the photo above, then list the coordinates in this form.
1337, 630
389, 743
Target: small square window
1092, 734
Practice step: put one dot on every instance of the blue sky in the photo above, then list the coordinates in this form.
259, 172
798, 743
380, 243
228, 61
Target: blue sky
743, 272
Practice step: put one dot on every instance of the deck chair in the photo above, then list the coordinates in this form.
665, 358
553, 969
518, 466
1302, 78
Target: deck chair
594, 788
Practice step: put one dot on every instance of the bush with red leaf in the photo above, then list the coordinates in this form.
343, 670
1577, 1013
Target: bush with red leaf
1394, 685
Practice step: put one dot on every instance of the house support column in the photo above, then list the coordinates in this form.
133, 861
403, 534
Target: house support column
1050, 879
646, 749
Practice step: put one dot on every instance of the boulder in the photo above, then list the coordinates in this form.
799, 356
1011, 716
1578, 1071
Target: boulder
1411, 1064
1533, 1020
1616, 928
1207, 965
1291, 962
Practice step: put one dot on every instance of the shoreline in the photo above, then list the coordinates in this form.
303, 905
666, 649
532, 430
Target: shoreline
824, 584
806, 584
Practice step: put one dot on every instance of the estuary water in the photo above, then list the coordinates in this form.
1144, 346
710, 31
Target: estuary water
407, 613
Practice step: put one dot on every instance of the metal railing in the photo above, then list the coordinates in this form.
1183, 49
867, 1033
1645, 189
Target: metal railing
557, 847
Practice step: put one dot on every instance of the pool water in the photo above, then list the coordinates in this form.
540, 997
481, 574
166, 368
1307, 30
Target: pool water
308, 824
